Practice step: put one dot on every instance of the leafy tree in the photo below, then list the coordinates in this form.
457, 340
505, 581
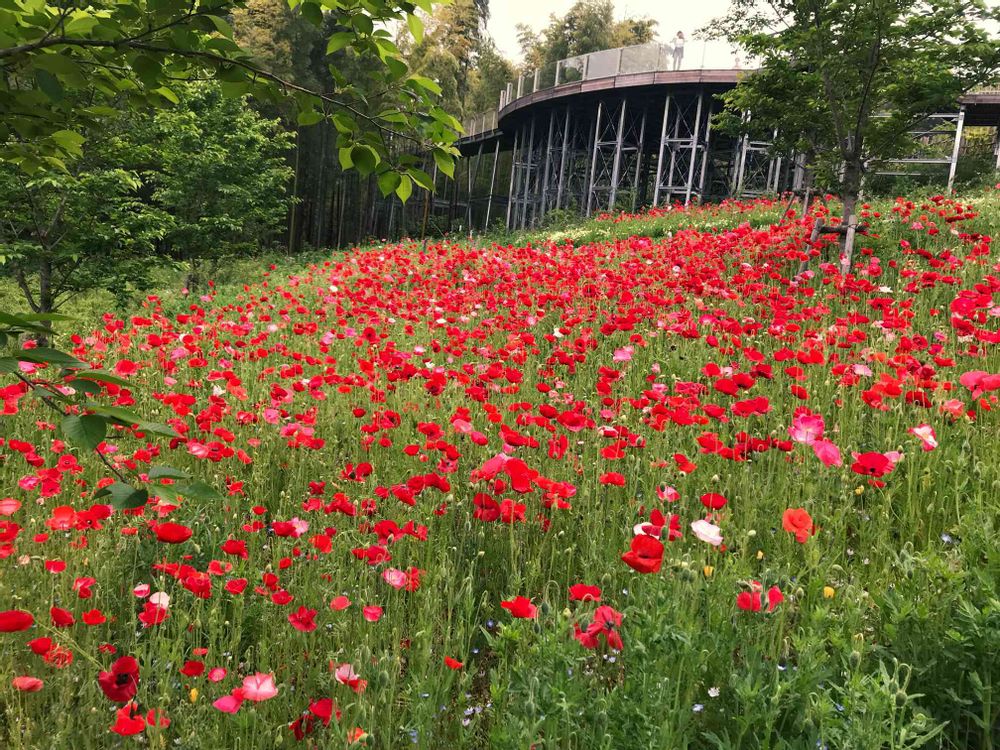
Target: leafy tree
450, 49
199, 180
66, 67
217, 175
588, 26
490, 76
843, 80
62, 233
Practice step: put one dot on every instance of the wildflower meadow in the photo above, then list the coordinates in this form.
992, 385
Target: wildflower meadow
667, 480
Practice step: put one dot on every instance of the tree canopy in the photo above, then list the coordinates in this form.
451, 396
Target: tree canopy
842, 81
588, 26
66, 67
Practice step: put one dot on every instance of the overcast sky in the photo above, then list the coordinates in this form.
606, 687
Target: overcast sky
672, 15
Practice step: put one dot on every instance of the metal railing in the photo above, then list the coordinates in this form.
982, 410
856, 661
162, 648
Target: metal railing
641, 58
479, 124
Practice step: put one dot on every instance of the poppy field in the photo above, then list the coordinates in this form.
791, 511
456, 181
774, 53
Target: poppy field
688, 490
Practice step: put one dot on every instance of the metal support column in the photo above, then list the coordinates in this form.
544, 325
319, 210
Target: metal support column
528, 168
741, 165
705, 152
548, 159
616, 165
639, 150
694, 149
562, 161
473, 176
493, 179
593, 159
659, 158
513, 172
958, 145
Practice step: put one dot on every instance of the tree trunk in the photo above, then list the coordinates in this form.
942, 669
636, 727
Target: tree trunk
45, 286
294, 217
45, 296
850, 193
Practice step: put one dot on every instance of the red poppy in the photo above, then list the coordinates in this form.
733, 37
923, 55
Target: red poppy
128, 721
872, 464
27, 684
121, 683
521, 607
14, 620
798, 521
303, 619
581, 592
713, 501
172, 533
61, 618
193, 668
645, 554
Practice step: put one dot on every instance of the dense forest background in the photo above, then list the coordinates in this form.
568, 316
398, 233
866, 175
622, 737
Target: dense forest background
215, 176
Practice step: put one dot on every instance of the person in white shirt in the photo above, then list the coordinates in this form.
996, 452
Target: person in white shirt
678, 50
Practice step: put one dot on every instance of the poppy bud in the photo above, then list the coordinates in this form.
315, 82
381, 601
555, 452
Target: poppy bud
854, 659
901, 698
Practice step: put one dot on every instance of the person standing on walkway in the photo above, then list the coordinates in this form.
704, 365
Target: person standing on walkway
678, 50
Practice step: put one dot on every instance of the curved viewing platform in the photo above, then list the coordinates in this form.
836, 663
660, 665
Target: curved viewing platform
639, 65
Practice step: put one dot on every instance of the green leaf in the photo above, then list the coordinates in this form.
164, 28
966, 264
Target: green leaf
43, 354
343, 123
103, 376
49, 85
167, 94
363, 23
445, 162
122, 416
89, 387
167, 472
388, 182
125, 496
56, 64
416, 27
312, 13
404, 188
198, 491
69, 141
344, 155
420, 177
85, 431
309, 117
158, 428
338, 41
148, 69
426, 83
221, 25
81, 23
365, 159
